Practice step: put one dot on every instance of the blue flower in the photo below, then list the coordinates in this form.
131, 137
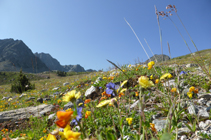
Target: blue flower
110, 87
183, 72
78, 117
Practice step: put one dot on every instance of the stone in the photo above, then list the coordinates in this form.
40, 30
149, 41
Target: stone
68, 105
183, 137
191, 65
183, 131
160, 123
66, 83
206, 96
201, 101
98, 80
46, 99
40, 100
25, 113
170, 83
30, 98
56, 88
192, 110
208, 103
90, 91
202, 125
51, 116
56, 93
203, 114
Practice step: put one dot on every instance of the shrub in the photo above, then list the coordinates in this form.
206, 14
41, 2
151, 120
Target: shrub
61, 73
21, 84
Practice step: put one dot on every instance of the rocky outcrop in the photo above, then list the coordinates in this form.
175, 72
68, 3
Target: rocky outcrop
14, 55
159, 58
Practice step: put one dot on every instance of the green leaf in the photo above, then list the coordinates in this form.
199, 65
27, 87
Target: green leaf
110, 136
166, 136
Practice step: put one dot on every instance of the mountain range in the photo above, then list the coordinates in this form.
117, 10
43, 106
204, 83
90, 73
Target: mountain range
16, 55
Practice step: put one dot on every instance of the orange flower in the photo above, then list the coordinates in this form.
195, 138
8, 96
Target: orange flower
121, 94
173, 89
104, 93
136, 93
152, 125
4, 139
196, 90
64, 118
156, 81
88, 113
87, 101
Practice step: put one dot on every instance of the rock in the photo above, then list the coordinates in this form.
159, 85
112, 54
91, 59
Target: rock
203, 114
173, 65
66, 83
201, 101
56, 93
183, 131
192, 110
56, 88
191, 65
156, 116
40, 100
202, 125
30, 98
206, 96
170, 83
51, 116
46, 99
183, 137
25, 113
68, 105
160, 123
89, 91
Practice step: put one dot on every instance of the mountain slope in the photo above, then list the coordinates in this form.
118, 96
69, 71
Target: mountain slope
14, 55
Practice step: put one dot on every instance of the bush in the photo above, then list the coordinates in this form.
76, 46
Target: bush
61, 73
21, 84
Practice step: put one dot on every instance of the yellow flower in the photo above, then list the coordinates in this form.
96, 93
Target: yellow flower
151, 64
165, 76
106, 102
51, 137
192, 89
156, 81
152, 125
88, 113
71, 96
145, 82
137, 94
105, 78
190, 94
69, 134
129, 120
151, 77
173, 89
10, 99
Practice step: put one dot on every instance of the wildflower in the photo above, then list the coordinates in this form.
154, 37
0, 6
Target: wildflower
173, 89
110, 87
145, 82
59, 101
136, 93
151, 77
78, 117
64, 118
196, 90
150, 65
152, 125
190, 94
44, 131
156, 81
166, 76
88, 113
10, 99
87, 101
105, 78
51, 137
183, 72
192, 89
129, 120
106, 102
136, 69
121, 94
71, 96
69, 134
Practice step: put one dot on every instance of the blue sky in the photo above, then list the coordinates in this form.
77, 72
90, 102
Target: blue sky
87, 32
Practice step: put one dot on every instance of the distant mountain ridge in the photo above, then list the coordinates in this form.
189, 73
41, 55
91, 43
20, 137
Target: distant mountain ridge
14, 55
158, 57
54, 64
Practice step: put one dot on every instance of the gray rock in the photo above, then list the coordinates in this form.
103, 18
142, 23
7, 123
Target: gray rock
24, 113
208, 109
191, 65
156, 116
56, 93
68, 105
56, 88
203, 114
183, 137
192, 110
208, 103
206, 96
40, 100
30, 98
183, 131
51, 116
170, 83
89, 91
160, 123
202, 125
98, 80
201, 101
66, 83
46, 99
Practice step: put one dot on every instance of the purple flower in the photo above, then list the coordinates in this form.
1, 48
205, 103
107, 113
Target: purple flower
78, 117
110, 88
